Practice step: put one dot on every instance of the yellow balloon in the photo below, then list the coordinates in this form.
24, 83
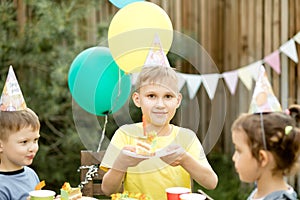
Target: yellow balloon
132, 31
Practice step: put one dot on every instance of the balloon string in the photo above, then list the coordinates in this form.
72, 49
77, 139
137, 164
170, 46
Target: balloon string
119, 91
102, 134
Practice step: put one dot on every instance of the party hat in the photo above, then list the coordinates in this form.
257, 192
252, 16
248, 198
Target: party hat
156, 55
263, 99
12, 98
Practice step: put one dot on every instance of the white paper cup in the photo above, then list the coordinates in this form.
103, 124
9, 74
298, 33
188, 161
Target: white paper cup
173, 193
192, 196
42, 195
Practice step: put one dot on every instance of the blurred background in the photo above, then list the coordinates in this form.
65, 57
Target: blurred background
40, 39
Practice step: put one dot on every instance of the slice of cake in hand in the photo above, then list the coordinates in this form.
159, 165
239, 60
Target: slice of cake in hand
69, 193
146, 145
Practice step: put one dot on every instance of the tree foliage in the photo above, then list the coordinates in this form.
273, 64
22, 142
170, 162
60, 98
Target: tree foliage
41, 55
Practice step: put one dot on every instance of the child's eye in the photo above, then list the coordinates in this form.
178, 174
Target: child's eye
23, 141
169, 96
36, 140
151, 96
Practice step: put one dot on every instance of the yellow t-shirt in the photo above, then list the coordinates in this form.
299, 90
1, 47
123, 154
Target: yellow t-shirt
153, 176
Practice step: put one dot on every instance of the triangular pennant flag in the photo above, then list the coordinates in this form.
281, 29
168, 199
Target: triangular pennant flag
156, 55
274, 61
297, 37
210, 82
193, 83
181, 81
245, 74
12, 98
134, 77
254, 68
289, 49
263, 99
231, 80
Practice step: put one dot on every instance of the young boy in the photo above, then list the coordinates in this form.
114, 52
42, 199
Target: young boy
19, 135
158, 97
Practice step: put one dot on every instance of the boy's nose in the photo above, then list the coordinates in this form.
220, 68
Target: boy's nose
160, 102
33, 147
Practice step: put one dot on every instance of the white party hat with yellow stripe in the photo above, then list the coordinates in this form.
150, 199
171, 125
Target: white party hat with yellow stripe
156, 55
12, 98
263, 99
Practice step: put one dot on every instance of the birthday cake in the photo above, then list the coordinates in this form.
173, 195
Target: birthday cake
146, 145
69, 193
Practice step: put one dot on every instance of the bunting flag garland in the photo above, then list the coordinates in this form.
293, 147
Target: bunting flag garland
289, 49
210, 82
231, 79
246, 76
193, 83
274, 61
246, 73
297, 38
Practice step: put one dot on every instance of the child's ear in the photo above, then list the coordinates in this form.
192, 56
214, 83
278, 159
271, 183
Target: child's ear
179, 98
263, 158
136, 99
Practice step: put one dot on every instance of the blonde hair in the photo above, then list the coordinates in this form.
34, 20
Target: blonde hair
11, 122
156, 74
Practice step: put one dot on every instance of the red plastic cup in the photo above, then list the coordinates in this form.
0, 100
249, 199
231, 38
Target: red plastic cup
174, 193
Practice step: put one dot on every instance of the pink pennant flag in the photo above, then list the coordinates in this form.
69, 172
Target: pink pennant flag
12, 98
274, 61
231, 80
156, 55
289, 49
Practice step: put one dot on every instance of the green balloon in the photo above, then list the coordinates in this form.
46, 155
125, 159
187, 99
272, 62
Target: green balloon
96, 82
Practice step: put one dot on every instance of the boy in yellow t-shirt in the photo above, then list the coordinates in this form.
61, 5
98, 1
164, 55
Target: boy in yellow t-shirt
182, 157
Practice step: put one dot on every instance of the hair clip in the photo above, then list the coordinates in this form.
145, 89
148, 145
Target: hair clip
288, 129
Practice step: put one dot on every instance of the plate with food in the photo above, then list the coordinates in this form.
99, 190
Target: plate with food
147, 153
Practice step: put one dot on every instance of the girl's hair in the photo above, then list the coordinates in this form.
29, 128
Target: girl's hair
156, 74
12, 122
282, 137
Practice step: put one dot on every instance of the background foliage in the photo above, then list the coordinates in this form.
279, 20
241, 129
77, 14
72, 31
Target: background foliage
41, 55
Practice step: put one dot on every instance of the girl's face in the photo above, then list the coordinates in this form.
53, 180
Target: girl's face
245, 164
19, 149
158, 103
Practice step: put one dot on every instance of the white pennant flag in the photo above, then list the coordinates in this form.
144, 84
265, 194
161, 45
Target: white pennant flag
245, 74
289, 49
254, 68
181, 80
210, 82
231, 80
297, 37
193, 83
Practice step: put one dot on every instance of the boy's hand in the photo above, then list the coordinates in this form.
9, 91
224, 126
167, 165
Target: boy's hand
174, 159
124, 161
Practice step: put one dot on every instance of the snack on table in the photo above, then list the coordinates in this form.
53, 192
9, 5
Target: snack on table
69, 193
129, 196
146, 145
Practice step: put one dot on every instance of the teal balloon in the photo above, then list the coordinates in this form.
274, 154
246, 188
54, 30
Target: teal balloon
122, 3
96, 82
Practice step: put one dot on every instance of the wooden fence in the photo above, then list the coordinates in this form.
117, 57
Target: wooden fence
234, 33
